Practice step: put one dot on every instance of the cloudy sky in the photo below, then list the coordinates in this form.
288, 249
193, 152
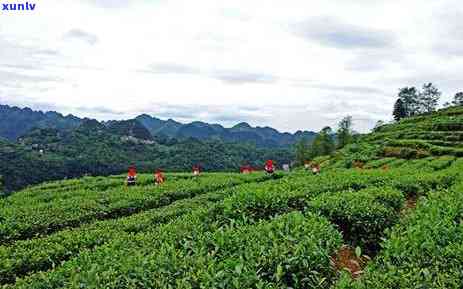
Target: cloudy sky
289, 64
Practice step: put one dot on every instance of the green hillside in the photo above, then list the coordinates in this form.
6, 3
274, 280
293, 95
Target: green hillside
393, 221
422, 137
439, 133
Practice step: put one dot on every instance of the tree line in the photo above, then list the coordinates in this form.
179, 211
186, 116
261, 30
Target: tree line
48, 154
412, 101
326, 141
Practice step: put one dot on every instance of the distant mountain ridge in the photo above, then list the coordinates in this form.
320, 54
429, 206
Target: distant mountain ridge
242, 132
15, 122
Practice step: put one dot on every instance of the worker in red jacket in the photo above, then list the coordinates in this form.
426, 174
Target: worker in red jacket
132, 176
269, 167
159, 177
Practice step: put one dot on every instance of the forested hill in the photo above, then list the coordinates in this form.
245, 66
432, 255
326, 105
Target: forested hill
39, 146
15, 122
102, 149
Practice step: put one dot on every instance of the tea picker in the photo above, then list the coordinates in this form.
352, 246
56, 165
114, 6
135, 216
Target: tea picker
196, 171
132, 176
316, 169
159, 177
269, 167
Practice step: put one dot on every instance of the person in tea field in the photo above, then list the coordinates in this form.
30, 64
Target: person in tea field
307, 165
286, 167
131, 176
196, 170
159, 177
269, 167
315, 169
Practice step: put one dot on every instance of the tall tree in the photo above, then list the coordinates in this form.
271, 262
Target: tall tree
410, 100
344, 133
399, 111
429, 98
328, 144
458, 99
323, 144
302, 151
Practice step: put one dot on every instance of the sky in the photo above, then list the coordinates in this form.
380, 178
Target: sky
289, 64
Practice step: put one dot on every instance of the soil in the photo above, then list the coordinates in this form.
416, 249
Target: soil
346, 259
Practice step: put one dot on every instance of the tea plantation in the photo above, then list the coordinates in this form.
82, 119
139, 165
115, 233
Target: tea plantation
385, 212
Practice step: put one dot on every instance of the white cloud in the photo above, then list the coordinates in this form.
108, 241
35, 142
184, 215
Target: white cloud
81, 35
299, 64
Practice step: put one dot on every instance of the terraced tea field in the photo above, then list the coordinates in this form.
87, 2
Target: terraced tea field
241, 231
439, 133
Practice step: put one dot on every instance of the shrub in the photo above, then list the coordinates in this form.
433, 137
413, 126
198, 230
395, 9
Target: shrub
425, 251
362, 216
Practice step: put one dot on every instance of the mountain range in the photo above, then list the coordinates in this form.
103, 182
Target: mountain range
39, 146
16, 122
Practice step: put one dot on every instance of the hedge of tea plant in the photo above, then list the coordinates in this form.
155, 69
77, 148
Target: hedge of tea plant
423, 251
22, 217
39, 254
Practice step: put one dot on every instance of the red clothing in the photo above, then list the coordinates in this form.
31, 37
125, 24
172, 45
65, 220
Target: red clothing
132, 172
269, 166
159, 177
